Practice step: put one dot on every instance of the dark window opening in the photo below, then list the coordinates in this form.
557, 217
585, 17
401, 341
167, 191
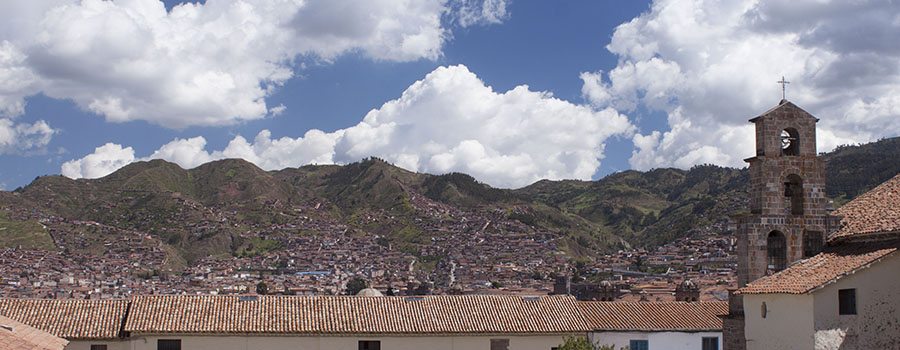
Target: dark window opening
369, 345
813, 242
790, 142
776, 251
168, 344
847, 301
499, 344
793, 194
710, 343
639, 344
98, 346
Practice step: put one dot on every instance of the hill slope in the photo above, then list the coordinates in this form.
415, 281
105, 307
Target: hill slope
229, 208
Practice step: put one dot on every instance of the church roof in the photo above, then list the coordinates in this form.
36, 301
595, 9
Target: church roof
834, 263
15, 335
784, 105
876, 211
654, 316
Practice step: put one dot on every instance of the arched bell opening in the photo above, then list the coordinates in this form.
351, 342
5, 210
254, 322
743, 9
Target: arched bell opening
793, 194
790, 142
776, 251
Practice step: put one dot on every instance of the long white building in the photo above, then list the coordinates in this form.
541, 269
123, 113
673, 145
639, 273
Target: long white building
254, 322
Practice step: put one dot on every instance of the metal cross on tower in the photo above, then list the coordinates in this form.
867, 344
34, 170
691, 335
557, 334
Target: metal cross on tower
783, 83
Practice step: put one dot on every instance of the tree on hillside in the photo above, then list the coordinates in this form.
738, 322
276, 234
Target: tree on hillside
355, 285
262, 288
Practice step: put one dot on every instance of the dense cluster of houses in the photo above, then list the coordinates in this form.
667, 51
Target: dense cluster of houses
475, 251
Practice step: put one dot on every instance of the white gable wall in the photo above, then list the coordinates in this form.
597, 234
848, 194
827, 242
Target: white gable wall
788, 323
110, 344
656, 340
462, 342
876, 324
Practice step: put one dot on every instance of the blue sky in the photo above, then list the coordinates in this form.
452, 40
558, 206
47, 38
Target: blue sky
507, 91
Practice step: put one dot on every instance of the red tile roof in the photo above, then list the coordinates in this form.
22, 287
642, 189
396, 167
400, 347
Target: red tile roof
827, 267
485, 314
70, 319
654, 316
875, 211
15, 335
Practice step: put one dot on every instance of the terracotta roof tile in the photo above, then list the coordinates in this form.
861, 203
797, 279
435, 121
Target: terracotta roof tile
70, 319
822, 269
654, 316
15, 335
209, 314
875, 211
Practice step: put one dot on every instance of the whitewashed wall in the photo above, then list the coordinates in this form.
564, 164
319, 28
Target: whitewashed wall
656, 340
110, 345
536, 342
876, 324
788, 323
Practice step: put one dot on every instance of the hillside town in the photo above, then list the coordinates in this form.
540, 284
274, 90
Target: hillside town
466, 252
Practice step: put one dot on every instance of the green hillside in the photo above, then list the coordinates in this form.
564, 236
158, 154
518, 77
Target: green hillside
225, 208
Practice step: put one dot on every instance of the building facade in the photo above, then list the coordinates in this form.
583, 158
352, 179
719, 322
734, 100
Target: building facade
676, 325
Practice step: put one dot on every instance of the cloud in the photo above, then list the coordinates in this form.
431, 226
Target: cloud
200, 64
473, 12
712, 65
448, 121
277, 110
105, 160
451, 121
23, 137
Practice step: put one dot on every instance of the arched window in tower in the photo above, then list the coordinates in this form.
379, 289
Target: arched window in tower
793, 195
776, 251
813, 242
790, 142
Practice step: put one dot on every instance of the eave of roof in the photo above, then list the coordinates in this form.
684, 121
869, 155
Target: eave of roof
70, 319
876, 211
334, 315
654, 316
817, 272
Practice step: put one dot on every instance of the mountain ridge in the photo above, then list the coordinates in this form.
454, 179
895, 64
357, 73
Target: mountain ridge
217, 208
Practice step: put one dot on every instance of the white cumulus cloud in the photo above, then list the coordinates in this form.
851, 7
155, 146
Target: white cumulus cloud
105, 160
24, 137
451, 121
712, 65
200, 64
448, 121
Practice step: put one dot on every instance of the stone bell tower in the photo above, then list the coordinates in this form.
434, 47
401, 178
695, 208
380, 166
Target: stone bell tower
788, 218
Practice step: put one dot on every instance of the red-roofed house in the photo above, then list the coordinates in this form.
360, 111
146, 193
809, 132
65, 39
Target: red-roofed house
15, 335
675, 325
